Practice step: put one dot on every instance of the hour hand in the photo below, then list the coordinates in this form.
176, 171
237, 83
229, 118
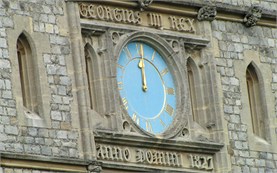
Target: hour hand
141, 66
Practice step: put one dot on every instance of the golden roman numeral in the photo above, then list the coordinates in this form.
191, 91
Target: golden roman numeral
135, 118
137, 46
128, 53
125, 103
162, 123
148, 126
120, 85
120, 66
169, 109
164, 71
153, 56
170, 91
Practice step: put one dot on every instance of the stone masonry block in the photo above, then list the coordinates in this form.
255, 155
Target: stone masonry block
62, 134
12, 130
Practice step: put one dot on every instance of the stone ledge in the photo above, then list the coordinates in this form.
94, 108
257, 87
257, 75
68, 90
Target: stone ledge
189, 40
43, 163
133, 140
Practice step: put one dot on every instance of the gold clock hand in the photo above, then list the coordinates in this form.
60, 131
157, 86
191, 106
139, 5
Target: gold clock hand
141, 66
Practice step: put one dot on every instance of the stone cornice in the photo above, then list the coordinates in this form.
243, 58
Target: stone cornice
43, 163
157, 143
183, 7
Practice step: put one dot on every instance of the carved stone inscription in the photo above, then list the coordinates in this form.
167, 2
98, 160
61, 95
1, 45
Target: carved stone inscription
127, 16
201, 162
153, 157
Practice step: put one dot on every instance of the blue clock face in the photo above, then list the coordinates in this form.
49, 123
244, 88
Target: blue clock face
146, 87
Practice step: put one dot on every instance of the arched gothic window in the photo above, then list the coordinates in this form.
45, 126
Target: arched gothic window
89, 74
196, 93
255, 101
27, 74
191, 80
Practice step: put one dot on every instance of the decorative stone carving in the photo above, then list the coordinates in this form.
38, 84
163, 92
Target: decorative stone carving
253, 16
210, 125
115, 37
143, 4
207, 13
94, 167
100, 51
126, 126
185, 133
175, 45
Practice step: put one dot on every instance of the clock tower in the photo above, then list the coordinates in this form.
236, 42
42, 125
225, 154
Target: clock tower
138, 97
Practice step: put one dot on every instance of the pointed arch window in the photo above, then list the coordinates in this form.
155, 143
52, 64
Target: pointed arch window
258, 116
191, 80
27, 74
196, 94
89, 74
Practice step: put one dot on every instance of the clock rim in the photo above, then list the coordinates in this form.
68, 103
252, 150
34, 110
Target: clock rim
165, 97
172, 60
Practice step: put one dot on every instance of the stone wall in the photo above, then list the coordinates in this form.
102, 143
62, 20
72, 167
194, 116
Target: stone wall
232, 40
11, 170
58, 138
268, 5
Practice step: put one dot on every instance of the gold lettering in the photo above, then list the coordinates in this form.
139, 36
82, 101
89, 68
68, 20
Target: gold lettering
125, 103
148, 126
155, 20
83, 10
100, 12
190, 21
137, 18
170, 91
182, 24
128, 53
120, 66
173, 22
135, 118
108, 13
117, 14
153, 56
127, 154
130, 17
120, 85
201, 162
140, 156
149, 157
124, 15
164, 71
162, 123
91, 11
169, 109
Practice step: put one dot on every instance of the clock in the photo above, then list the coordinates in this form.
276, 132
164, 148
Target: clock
146, 87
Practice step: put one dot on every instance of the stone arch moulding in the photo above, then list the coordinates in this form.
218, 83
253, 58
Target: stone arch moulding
23, 25
178, 71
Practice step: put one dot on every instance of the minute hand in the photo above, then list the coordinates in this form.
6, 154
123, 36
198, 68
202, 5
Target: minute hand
141, 66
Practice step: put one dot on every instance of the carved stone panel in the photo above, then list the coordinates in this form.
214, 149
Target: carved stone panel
149, 154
